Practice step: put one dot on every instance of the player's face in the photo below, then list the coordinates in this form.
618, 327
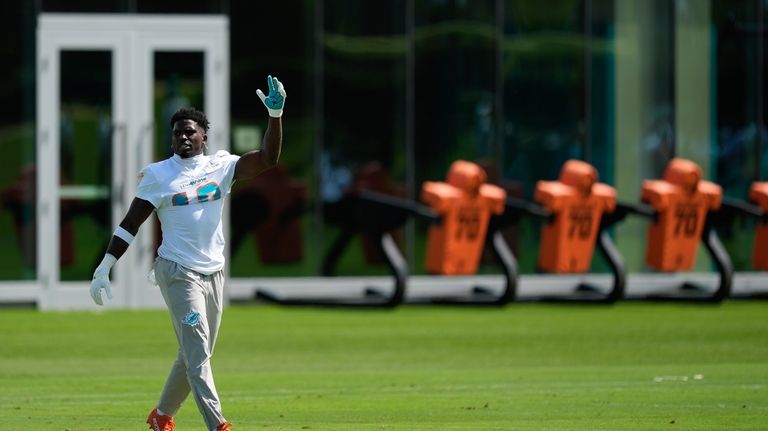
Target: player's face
188, 138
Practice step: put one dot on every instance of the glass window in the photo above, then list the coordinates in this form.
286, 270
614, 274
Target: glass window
85, 161
274, 222
741, 128
556, 68
17, 138
455, 82
362, 108
519, 86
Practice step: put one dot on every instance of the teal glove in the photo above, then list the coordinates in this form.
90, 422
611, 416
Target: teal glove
275, 100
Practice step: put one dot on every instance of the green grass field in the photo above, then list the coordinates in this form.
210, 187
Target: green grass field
631, 366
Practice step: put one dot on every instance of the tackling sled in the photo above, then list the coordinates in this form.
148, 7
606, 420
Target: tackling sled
573, 212
680, 207
375, 216
465, 205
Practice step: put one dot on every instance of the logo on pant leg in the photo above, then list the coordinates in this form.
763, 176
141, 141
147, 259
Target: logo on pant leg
192, 318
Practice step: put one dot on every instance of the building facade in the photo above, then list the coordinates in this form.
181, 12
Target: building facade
383, 95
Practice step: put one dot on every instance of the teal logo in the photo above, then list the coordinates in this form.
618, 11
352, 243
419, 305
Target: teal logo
192, 318
179, 199
206, 193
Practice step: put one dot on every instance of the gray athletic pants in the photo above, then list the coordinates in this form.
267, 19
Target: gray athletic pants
194, 301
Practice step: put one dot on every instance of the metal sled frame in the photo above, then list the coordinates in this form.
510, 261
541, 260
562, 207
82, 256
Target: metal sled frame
583, 292
376, 215
731, 209
479, 295
688, 291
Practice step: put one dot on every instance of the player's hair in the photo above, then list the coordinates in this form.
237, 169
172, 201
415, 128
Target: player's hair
191, 114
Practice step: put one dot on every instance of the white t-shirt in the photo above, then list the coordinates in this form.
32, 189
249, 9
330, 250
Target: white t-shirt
188, 197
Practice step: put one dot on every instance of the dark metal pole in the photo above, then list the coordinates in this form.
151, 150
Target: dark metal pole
319, 123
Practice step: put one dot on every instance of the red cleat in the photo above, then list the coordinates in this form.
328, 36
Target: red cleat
226, 426
158, 422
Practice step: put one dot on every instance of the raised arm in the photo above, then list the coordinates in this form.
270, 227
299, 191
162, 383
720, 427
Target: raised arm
254, 162
137, 214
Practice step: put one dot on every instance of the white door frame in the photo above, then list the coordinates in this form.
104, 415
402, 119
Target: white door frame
132, 39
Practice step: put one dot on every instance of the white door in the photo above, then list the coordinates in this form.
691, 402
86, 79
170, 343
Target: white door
96, 130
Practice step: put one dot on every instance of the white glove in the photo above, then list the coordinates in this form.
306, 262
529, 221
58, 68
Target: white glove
275, 100
101, 279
